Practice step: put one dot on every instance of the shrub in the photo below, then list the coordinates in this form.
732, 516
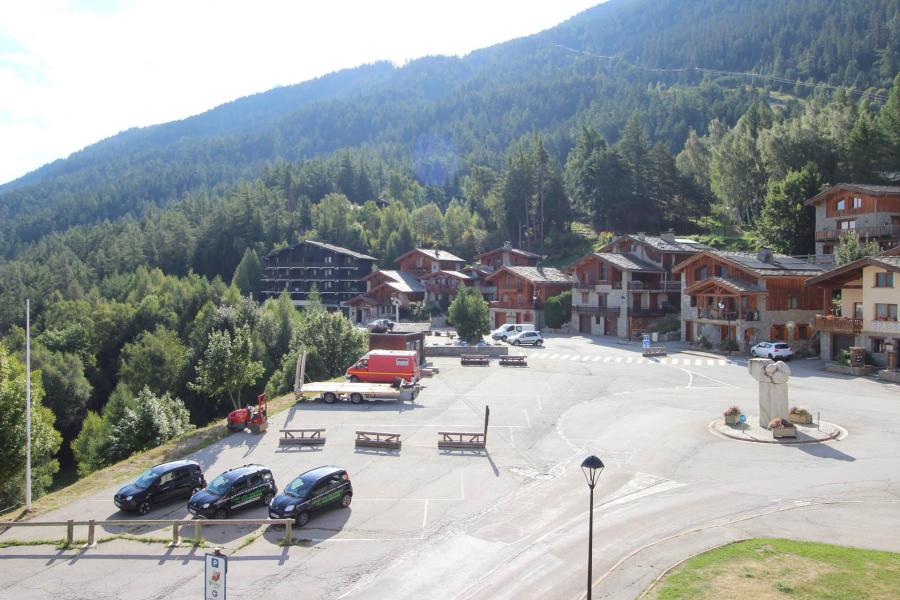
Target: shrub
734, 410
730, 345
802, 412
778, 423
703, 342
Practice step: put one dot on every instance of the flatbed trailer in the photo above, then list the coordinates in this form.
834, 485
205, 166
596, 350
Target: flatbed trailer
333, 391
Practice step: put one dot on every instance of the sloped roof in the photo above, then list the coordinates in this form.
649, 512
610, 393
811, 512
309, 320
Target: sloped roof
524, 253
403, 281
658, 243
456, 274
891, 263
332, 247
749, 261
536, 274
628, 262
736, 285
433, 254
876, 190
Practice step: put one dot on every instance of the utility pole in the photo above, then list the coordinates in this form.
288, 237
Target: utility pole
28, 405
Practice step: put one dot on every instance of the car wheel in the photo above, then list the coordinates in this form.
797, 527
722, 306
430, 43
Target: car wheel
354, 379
515, 342
220, 513
143, 508
267, 499
539, 343
356, 398
301, 519
329, 397
345, 501
502, 338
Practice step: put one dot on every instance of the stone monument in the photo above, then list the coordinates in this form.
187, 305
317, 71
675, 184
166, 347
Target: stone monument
773, 388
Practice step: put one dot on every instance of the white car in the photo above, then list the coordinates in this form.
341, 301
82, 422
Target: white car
510, 329
526, 337
773, 350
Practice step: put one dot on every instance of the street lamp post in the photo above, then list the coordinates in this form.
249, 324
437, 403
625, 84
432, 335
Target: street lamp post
592, 467
726, 343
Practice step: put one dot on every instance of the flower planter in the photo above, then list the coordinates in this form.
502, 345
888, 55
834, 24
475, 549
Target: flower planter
800, 419
732, 419
784, 432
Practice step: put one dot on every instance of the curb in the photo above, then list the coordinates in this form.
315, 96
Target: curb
839, 434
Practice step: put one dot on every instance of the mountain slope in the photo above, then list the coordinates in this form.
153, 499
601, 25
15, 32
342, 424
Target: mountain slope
468, 110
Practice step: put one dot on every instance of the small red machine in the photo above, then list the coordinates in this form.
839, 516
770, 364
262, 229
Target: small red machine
253, 417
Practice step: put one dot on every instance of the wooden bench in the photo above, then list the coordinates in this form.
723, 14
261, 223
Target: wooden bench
302, 437
375, 439
474, 359
517, 360
457, 440
654, 351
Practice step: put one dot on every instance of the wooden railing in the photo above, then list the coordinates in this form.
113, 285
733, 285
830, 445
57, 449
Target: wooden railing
175, 524
603, 311
863, 232
834, 324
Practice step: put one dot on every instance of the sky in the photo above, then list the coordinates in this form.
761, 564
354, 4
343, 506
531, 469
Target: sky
73, 72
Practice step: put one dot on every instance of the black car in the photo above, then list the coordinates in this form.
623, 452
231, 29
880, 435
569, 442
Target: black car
233, 489
310, 492
162, 483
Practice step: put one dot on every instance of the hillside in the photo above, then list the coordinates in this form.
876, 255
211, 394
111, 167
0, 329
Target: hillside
442, 115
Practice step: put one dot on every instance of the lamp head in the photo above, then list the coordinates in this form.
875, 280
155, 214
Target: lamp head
592, 467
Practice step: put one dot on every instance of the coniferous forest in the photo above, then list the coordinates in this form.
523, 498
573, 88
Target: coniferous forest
140, 253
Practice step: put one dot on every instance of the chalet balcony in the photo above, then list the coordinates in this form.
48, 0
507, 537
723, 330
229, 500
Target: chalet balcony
864, 232
660, 286
609, 312
716, 314
500, 304
831, 324
647, 312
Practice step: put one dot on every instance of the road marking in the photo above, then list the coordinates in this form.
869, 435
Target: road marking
527, 418
586, 358
641, 361
710, 362
425, 515
607, 359
538, 399
618, 359
630, 359
721, 363
596, 358
698, 362
553, 356
673, 361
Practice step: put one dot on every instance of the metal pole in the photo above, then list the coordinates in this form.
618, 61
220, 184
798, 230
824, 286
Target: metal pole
590, 545
28, 405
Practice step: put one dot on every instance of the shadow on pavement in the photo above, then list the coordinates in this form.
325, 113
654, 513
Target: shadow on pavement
825, 451
472, 452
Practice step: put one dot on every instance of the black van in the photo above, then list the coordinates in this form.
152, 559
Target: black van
162, 483
233, 489
310, 492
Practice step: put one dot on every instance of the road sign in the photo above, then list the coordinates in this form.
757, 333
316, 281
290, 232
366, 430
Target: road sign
743, 418
646, 341
216, 569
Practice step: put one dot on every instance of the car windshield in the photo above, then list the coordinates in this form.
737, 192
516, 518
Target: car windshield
782, 346
146, 479
299, 487
219, 485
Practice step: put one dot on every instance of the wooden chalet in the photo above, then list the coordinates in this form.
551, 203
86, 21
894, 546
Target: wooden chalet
522, 292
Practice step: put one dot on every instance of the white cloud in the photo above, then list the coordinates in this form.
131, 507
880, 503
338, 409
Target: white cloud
72, 75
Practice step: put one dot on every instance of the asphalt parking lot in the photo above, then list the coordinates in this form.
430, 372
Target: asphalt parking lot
511, 522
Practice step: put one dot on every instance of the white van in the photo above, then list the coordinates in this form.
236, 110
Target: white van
510, 329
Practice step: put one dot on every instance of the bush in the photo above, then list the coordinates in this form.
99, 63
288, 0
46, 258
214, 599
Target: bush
558, 310
778, 423
730, 345
703, 342
800, 412
733, 410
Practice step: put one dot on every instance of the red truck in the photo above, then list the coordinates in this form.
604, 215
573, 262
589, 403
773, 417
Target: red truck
386, 366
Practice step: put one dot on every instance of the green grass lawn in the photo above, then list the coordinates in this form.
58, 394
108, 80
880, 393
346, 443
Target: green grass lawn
774, 568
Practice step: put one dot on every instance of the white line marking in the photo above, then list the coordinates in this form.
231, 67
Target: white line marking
527, 418
673, 361
698, 362
721, 363
710, 362
425, 515
596, 358
586, 358
618, 359
607, 359
641, 361
512, 438
553, 357
630, 359
540, 406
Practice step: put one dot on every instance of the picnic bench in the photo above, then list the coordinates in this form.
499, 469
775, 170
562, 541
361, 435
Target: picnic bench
458, 440
515, 360
302, 437
474, 359
376, 439
654, 351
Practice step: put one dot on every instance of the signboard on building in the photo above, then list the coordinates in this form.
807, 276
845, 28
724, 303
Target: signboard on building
216, 570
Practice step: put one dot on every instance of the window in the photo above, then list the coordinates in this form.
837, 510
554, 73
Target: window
877, 345
402, 362
701, 273
793, 302
327, 285
827, 249
585, 297
802, 332
777, 332
720, 271
328, 260
841, 204
604, 272
858, 310
857, 202
847, 225
884, 280
885, 312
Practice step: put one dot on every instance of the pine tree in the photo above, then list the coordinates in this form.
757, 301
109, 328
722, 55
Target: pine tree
248, 273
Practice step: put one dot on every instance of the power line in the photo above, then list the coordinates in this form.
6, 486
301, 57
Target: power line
721, 72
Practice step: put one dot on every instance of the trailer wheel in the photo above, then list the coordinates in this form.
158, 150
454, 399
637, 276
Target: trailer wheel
356, 398
329, 397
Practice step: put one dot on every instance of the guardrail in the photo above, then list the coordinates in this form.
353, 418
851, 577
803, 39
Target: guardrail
175, 524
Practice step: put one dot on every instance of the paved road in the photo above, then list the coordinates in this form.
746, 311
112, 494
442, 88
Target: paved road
512, 523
